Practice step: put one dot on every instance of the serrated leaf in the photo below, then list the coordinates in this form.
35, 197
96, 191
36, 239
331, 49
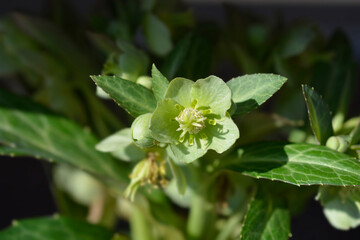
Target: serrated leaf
250, 91
160, 83
267, 219
319, 115
57, 228
299, 164
134, 98
31, 130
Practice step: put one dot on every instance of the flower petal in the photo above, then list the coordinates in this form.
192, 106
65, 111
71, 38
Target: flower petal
163, 124
222, 136
185, 153
212, 92
179, 90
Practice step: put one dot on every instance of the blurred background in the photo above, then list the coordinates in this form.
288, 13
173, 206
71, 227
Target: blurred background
302, 24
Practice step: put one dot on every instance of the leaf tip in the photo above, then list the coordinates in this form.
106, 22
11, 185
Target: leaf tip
15, 222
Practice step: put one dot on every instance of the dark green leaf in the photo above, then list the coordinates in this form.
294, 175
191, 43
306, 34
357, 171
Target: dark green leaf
300, 164
250, 91
56, 228
267, 219
296, 41
319, 115
355, 134
31, 130
133, 97
160, 83
176, 58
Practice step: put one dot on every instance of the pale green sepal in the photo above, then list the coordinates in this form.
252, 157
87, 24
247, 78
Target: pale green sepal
160, 83
212, 92
223, 135
163, 125
140, 131
185, 153
121, 145
179, 90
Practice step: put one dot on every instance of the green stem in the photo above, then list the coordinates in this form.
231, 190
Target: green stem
201, 215
140, 229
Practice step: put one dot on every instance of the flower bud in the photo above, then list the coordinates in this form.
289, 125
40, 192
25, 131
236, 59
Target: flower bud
140, 132
144, 81
338, 143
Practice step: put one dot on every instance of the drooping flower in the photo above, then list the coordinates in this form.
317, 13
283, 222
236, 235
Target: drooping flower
193, 118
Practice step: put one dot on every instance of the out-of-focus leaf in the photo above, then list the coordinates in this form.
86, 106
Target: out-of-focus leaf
250, 91
319, 115
257, 125
246, 61
175, 59
103, 42
267, 219
31, 130
157, 35
55, 228
341, 206
298, 163
355, 134
134, 98
296, 41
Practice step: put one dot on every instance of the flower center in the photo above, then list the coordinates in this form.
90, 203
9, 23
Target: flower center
190, 121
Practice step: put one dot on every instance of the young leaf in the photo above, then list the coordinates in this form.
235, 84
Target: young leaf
299, 164
319, 115
160, 83
53, 229
267, 219
134, 98
30, 130
250, 91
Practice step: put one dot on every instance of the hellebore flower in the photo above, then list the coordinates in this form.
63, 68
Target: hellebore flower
193, 118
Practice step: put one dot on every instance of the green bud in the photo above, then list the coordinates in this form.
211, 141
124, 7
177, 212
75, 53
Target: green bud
150, 171
144, 81
338, 121
338, 143
140, 132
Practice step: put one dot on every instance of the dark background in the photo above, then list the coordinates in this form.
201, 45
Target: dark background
25, 191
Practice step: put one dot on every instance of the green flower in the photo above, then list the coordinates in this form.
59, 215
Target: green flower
193, 118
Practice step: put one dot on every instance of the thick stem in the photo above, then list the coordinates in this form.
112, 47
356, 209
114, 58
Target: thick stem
140, 229
202, 213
